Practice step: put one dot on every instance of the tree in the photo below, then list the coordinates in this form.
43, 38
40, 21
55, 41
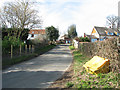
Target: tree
19, 15
72, 31
84, 39
112, 20
52, 33
9, 32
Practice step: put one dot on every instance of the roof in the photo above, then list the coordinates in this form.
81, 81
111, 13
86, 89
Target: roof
91, 36
37, 31
103, 30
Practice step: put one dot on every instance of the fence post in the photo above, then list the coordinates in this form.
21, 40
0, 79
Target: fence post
11, 51
20, 50
26, 48
81, 47
29, 48
32, 48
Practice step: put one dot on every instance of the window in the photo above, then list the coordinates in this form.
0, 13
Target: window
93, 40
111, 33
101, 39
32, 35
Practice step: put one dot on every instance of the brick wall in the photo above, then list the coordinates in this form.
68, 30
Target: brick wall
107, 49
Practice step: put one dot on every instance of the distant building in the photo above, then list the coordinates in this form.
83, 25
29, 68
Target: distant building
36, 33
65, 39
102, 33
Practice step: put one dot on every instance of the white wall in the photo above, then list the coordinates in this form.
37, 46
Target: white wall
96, 34
29, 36
76, 43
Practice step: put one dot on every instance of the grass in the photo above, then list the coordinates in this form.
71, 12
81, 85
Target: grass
9, 62
82, 79
71, 47
69, 84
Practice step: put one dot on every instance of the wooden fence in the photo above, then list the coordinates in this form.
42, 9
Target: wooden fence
26, 49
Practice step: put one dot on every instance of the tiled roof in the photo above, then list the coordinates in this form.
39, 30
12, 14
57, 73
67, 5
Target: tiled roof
103, 30
91, 36
37, 31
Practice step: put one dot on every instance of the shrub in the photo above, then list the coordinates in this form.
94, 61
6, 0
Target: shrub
8, 41
84, 39
69, 84
71, 47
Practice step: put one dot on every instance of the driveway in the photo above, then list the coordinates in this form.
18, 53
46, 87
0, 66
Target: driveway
39, 72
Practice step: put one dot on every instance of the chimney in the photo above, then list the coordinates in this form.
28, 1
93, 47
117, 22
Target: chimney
84, 35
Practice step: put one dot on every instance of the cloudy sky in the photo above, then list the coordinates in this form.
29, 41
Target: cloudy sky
84, 13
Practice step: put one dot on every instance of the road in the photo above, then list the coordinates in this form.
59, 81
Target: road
39, 72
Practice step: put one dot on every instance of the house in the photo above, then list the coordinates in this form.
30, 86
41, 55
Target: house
102, 33
92, 38
65, 39
36, 33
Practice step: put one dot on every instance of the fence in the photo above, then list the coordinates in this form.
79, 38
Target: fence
21, 50
109, 49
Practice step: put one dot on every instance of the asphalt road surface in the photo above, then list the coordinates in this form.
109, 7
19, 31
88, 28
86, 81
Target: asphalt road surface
39, 72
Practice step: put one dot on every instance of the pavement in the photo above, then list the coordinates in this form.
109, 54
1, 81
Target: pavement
39, 72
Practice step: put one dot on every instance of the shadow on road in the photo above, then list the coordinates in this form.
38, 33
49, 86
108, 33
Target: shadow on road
27, 76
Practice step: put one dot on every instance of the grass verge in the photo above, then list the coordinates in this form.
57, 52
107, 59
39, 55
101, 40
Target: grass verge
84, 80
9, 62
71, 47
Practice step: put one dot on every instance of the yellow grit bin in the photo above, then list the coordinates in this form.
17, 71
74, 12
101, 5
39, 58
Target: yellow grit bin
97, 65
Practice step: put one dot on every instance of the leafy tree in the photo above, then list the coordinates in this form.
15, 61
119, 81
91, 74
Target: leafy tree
84, 39
19, 15
10, 32
52, 33
72, 31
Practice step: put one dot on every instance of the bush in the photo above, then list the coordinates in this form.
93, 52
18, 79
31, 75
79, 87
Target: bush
84, 39
69, 84
71, 47
8, 41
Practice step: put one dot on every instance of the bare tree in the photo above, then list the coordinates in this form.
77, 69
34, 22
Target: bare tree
112, 20
20, 14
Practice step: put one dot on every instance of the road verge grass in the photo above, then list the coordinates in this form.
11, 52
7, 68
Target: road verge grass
71, 47
9, 62
82, 79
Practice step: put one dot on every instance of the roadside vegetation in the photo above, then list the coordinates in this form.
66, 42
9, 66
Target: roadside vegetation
77, 78
9, 62
16, 20
82, 79
71, 47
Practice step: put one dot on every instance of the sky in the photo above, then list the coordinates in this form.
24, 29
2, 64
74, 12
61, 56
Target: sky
85, 14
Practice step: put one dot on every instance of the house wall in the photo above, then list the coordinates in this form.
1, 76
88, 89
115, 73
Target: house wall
93, 40
35, 36
76, 43
30, 36
95, 33
107, 49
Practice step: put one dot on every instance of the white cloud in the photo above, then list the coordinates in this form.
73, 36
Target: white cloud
85, 15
